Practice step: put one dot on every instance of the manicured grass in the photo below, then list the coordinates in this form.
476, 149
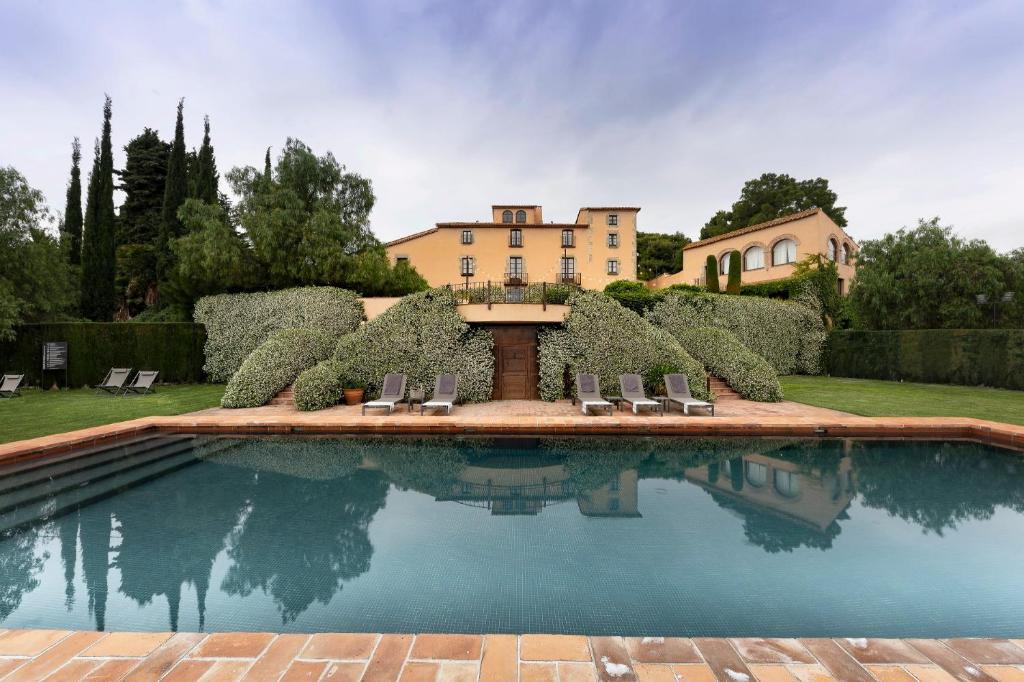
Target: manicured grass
873, 398
41, 413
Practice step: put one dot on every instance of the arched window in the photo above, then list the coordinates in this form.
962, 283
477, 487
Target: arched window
753, 259
757, 474
784, 252
723, 263
844, 254
506, 217
520, 216
786, 483
832, 250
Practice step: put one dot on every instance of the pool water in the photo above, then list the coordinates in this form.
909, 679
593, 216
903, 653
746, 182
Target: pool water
630, 536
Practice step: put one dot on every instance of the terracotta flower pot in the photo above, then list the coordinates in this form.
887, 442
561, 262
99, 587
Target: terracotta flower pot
353, 396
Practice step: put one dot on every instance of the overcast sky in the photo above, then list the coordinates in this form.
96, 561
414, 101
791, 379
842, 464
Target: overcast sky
910, 109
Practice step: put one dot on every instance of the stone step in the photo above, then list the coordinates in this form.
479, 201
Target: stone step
285, 397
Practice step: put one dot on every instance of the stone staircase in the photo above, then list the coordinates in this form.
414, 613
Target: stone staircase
721, 390
285, 397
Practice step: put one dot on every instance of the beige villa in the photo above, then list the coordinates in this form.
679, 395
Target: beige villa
517, 247
769, 251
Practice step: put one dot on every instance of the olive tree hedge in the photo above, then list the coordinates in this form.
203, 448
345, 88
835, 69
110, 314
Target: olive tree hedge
788, 334
602, 337
421, 336
275, 365
972, 357
723, 355
236, 324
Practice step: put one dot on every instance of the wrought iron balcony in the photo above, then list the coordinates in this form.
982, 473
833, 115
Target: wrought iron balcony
516, 279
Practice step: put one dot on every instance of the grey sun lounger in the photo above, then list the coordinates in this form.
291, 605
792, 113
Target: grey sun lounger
678, 389
632, 386
11, 386
588, 392
142, 383
392, 392
446, 390
115, 380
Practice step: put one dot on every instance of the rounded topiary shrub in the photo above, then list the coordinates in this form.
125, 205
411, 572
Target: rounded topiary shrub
723, 355
604, 338
320, 386
236, 324
788, 334
275, 364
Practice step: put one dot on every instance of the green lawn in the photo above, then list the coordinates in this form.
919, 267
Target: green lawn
873, 398
41, 413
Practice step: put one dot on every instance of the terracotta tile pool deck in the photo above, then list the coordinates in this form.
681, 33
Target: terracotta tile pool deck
65, 655
75, 655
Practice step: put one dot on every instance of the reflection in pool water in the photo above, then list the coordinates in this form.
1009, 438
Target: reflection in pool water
626, 536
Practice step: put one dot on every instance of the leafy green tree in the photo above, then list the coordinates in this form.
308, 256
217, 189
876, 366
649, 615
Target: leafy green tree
175, 193
820, 276
711, 274
35, 280
929, 278
206, 176
98, 240
772, 196
142, 181
659, 253
71, 234
732, 286
211, 257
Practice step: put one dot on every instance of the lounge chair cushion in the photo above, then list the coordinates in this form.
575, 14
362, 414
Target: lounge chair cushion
631, 384
587, 383
446, 384
392, 384
678, 384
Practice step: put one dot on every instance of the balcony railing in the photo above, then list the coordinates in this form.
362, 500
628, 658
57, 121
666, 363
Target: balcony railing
573, 278
516, 279
489, 293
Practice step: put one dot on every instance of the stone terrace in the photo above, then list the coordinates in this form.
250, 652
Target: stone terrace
63, 655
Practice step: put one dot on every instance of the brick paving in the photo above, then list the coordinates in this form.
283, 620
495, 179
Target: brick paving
63, 655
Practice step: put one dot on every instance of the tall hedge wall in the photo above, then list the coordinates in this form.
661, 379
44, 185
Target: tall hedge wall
788, 334
723, 355
236, 324
974, 357
173, 348
607, 339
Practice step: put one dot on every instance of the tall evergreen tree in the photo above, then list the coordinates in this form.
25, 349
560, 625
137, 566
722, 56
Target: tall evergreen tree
175, 193
71, 234
98, 240
268, 173
206, 180
711, 275
142, 181
735, 266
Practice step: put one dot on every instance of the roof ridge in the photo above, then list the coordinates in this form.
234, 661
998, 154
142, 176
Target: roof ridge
781, 220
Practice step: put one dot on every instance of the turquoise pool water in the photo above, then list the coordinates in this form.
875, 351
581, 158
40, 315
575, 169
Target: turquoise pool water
631, 536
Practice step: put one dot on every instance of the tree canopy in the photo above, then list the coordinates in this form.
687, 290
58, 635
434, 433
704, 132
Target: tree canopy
772, 196
928, 278
98, 239
659, 253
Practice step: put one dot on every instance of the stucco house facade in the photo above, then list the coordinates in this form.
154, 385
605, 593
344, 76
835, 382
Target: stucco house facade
769, 251
516, 246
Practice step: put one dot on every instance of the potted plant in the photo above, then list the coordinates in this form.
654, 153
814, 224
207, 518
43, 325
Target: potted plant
353, 389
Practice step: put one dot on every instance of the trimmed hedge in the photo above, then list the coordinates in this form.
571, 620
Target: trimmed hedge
603, 337
275, 364
173, 348
973, 357
319, 387
421, 336
723, 355
788, 334
236, 324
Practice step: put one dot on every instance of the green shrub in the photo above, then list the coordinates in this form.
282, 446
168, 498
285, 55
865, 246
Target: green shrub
788, 334
276, 364
174, 349
319, 387
735, 266
603, 337
636, 296
724, 356
711, 274
421, 336
237, 323
972, 357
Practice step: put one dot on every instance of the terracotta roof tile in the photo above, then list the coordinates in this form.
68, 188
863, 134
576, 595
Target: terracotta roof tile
410, 237
754, 228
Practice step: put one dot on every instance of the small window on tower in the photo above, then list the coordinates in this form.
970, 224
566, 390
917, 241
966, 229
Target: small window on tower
467, 236
613, 218
520, 216
506, 217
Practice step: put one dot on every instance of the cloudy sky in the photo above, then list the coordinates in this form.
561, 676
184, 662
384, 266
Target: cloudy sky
910, 109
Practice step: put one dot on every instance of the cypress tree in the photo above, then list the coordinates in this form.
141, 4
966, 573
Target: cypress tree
267, 174
175, 193
206, 172
98, 241
733, 285
71, 235
711, 274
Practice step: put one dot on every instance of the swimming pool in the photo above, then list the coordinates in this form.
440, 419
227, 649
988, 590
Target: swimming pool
629, 536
